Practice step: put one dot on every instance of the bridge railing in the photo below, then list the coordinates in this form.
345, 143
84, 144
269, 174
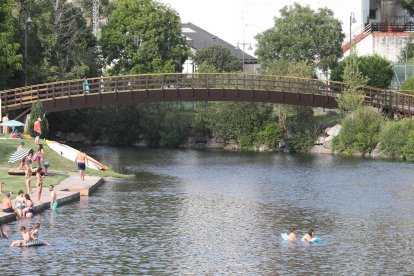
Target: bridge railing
25, 96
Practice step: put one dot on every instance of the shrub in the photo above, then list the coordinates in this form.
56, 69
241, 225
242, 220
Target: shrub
360, 132
302, 130
393, 137
408, 149
270, 135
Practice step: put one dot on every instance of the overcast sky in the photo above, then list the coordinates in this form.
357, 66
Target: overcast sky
241, 20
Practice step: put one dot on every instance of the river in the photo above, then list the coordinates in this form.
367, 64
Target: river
221, 213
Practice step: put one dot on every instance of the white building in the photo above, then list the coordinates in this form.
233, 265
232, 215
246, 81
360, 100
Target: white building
381, 27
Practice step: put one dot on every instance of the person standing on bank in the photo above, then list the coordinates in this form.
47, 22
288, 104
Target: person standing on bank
81, 161
37, 127
5, 128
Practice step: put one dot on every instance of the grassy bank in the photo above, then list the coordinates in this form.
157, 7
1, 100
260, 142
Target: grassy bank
59, 167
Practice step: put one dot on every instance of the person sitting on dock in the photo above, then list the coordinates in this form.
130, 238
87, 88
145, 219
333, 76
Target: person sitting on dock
6, 204
19, 204
28, 210
81, 160
292, 235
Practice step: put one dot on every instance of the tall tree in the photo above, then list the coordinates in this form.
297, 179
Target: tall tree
377, 70
218, 57
352, 97
143, 36
301, 34
10, 56
409, 6
61, 46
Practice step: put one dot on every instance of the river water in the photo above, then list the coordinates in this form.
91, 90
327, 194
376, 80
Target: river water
221, 213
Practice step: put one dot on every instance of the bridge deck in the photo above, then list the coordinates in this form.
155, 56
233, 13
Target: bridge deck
114, 90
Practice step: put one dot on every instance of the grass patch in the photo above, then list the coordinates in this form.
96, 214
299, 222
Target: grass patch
59, 166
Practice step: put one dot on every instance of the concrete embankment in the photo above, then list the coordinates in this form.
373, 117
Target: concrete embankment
69, 190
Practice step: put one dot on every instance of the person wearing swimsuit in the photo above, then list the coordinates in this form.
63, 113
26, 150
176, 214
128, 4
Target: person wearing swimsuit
29, 212
19, 204
39, 178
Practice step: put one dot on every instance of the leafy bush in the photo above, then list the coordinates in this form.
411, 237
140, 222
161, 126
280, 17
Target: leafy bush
393, 138
175, 128
408, 149
360, 132
237, 120
270, 135
302, 130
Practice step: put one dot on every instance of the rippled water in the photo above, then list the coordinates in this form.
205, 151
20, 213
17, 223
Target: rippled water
197, 213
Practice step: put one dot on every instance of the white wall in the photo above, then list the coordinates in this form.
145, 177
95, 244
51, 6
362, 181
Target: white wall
388, 47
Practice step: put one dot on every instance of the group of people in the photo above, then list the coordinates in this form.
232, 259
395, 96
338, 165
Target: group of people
308, 237
23, 204
26, 164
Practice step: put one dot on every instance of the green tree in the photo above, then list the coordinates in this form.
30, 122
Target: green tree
37, 111
10, 57
352, 98
217, 57
61, 44
409, 6
143, 36
360, 132
377, 70
241, 121
301, 34
393, 138
408, 85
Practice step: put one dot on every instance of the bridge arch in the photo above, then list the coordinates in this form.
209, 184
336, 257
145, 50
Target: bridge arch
114, 90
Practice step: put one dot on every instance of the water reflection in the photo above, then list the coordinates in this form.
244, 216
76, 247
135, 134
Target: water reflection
189, 212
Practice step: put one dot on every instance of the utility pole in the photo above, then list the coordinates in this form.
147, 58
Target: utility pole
95, 17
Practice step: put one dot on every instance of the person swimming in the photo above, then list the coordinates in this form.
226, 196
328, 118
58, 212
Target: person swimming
292, 235
308, 236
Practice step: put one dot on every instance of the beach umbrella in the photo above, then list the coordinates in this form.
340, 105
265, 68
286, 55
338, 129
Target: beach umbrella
19, 155
12, 123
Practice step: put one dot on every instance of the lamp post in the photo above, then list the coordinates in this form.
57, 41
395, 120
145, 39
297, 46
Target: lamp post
28, 20
243, 45
351, 20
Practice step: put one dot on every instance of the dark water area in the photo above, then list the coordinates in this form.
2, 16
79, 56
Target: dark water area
221, 213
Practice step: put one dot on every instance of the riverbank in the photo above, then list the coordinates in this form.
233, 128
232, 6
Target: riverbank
60, 168
69, 190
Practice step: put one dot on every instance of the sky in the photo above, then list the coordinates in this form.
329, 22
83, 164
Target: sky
240, 20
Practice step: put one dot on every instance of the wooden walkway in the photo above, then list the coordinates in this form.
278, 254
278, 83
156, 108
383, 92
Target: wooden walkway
114, 90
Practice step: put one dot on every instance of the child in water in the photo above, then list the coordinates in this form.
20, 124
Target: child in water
292, 235
308, 236
25, 235
34, 234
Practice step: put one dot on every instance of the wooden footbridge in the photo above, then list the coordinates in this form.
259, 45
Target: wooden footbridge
114, 90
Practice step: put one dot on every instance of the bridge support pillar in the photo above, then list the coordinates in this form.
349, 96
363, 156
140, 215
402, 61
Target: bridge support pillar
389, 113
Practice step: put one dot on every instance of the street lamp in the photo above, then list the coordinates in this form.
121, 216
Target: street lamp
244, 44
28, 21
351, 20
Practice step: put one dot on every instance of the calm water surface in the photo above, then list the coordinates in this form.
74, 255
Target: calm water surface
220, 213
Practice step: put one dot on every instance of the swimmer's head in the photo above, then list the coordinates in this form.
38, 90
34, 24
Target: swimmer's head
310, 232
293, 230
